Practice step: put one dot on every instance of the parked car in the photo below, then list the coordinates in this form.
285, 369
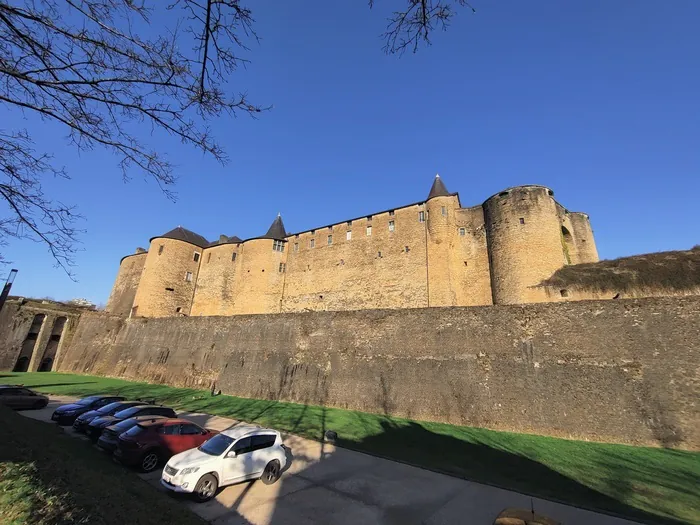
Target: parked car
66, 414
82, 421
97, 425
20, 398
149, 444
108, 439
239, 453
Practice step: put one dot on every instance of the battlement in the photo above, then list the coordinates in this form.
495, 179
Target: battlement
428, 253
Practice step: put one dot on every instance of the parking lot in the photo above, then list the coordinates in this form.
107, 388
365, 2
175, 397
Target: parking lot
327, 484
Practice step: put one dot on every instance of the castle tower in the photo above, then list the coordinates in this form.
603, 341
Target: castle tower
258, 289
525, 242
169, 274
218, 277
121, 299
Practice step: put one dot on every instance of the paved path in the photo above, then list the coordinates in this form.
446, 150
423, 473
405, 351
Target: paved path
327, 484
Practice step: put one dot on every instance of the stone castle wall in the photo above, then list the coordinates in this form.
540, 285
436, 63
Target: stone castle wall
432, 253
125, 285
620, 371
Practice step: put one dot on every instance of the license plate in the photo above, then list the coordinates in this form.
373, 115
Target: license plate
167, 479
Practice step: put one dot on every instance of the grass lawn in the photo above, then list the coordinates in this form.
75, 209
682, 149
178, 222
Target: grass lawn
651, 485
47, 477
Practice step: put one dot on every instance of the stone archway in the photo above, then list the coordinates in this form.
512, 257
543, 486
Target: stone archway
29, 344
49, 356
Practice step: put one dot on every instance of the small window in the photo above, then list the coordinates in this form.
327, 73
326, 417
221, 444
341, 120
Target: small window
348, 235
233, 257
168, 289
160, 249
196, 256
188, 429
564, 293
313, 232
188, 277
406, 249
330, 240
278, 246
178, 309
391, 213
522, 220
443, 210
169, 430
369, 218
296, 247
283, 267
379, 254
391, 226
369, 230
242, 446
349, 223
312, 243
503, 194
462, 232
330, 228
421, 216
208, 258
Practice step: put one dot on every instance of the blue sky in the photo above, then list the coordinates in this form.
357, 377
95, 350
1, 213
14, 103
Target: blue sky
597, 99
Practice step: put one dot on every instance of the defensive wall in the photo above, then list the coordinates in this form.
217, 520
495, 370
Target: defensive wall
621, 371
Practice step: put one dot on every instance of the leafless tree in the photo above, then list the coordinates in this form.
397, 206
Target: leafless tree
102, 68
412, 26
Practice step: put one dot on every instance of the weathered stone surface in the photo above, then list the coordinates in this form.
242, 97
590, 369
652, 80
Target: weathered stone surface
621, 371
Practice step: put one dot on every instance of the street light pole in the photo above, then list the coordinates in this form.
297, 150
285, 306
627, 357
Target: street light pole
6, 288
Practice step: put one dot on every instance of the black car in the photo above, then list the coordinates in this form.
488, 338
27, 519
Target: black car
98, 424
109, 439
82, 421
21, 398
66, 414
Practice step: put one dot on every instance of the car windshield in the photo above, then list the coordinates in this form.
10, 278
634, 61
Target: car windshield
125, 425
135, 431
87, 401
108, 409
216, 445
129, 412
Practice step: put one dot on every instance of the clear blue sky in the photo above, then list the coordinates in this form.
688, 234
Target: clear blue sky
597, 99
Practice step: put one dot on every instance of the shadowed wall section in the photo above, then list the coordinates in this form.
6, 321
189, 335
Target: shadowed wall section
621, 371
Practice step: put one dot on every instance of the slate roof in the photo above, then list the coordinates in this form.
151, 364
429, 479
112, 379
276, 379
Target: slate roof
223, 239
276, 230
182, 234
438, 189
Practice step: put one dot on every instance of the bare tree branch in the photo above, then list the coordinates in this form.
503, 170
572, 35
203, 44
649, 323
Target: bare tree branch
413, 26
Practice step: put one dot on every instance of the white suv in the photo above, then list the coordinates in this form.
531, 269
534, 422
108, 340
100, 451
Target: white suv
238, 453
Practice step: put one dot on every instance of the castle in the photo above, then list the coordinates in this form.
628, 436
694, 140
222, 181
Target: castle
430, 253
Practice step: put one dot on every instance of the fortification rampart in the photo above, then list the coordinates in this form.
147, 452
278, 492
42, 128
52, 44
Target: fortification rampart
622, 371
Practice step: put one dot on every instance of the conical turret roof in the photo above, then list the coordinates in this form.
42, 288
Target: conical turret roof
276, 230
438, 189
185, 235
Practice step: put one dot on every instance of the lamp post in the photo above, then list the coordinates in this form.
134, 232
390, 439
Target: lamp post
6, 288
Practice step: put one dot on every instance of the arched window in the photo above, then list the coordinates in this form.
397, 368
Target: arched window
52, 346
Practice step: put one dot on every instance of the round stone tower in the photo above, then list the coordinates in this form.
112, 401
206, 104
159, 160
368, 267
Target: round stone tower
523, 232
169, 274
121, 299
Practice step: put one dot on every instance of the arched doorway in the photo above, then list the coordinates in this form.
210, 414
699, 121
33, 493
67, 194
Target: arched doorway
25, 355
52, 346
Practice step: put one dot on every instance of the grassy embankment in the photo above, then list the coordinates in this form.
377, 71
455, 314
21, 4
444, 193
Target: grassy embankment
653, 485
47, 477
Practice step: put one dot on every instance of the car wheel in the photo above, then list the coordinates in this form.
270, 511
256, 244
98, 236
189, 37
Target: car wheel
150, 461
206, 488
271, 472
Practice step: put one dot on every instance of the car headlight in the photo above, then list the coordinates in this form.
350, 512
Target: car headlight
188, 470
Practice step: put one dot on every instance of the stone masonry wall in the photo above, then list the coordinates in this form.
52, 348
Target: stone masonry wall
124, 290
621, 371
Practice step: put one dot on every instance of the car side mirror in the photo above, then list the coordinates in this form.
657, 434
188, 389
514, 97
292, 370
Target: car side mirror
231, 454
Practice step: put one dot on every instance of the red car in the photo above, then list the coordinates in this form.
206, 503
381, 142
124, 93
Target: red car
151, 443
